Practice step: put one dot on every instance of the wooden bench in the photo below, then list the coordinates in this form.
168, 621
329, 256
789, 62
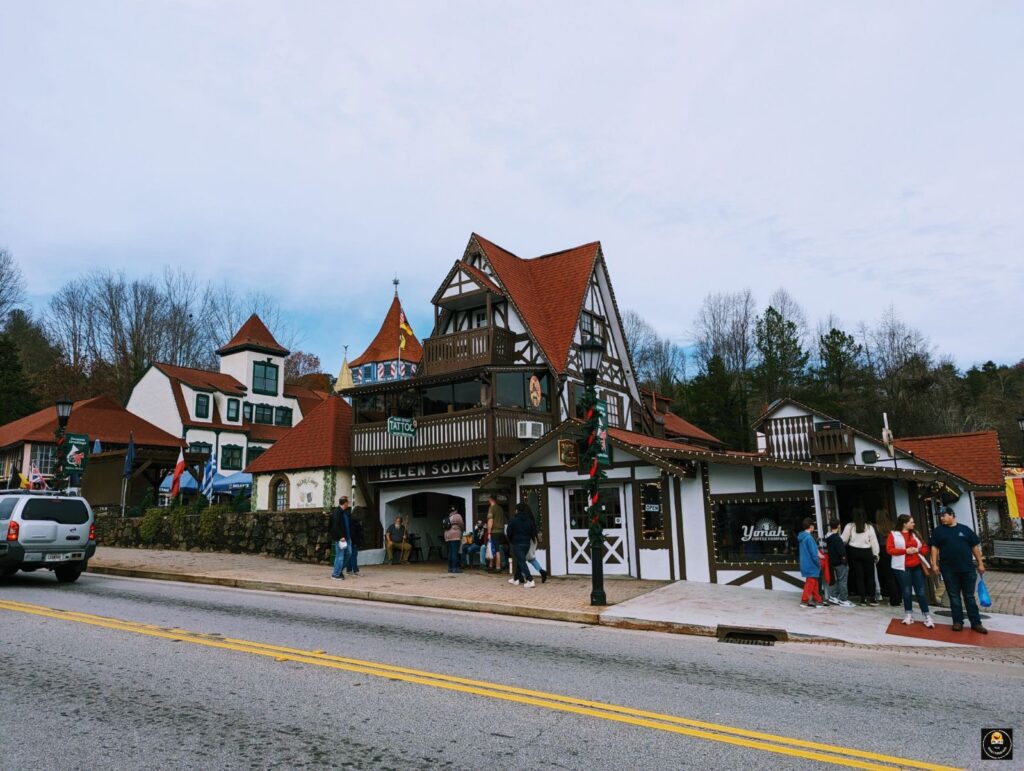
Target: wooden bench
1008, 550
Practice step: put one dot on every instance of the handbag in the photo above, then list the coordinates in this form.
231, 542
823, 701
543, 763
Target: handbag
984, 598
926, 568
532, 551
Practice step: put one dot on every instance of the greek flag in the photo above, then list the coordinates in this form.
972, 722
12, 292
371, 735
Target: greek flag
208, 475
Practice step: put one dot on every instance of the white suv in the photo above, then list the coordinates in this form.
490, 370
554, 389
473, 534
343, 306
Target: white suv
42, 529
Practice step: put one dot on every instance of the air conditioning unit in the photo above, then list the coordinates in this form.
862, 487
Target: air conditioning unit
529, 429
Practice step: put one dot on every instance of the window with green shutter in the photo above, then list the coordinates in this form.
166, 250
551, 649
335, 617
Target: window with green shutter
231, 457
202, 405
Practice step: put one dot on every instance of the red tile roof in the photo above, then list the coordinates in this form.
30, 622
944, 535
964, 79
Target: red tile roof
308, 398
253, 335
548, 291
203, 379
322, 440
973, 456
649, 442
677, 426
100, 417
385, 345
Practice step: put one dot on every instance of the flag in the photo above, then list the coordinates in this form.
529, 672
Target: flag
97, 448
35, 478
1015, 496
129, 458
15, 479
208, 475
403, 324
179, 469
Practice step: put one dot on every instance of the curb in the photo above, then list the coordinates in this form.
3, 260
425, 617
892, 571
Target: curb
474, 606
699, 630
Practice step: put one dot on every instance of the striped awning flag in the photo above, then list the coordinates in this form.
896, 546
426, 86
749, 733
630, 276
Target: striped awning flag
208, 475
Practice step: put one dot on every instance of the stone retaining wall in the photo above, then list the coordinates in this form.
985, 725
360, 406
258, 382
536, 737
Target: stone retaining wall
302, 537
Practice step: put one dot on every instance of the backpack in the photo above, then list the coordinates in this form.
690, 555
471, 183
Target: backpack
446, 523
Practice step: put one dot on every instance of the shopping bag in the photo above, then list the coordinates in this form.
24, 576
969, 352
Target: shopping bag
983, 596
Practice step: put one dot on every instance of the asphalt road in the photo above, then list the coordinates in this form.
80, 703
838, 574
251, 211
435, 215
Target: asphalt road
76, 693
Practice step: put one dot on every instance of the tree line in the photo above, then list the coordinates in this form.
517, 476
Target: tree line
102, 330
738, 360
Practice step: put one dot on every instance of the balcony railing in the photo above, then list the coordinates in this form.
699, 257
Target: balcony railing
442, 437
832, 441
463, 350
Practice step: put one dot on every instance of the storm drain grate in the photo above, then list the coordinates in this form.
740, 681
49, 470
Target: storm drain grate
750, 636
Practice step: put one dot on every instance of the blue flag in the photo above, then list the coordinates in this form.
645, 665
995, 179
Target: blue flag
210, 473
97, 448
129, 458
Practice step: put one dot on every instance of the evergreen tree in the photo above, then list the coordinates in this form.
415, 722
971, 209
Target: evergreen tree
714, 404
783, 360
16, 398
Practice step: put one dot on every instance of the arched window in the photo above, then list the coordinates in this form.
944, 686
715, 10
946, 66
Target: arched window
279, 493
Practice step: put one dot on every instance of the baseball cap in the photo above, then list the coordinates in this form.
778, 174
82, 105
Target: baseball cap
946, 510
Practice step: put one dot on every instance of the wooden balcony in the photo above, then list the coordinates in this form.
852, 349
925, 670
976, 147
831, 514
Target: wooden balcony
442, 437
462, 350
832, 441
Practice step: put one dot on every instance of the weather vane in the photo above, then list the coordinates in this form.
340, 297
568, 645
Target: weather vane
395, 282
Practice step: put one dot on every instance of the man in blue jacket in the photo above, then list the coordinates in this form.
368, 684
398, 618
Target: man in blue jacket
810, 565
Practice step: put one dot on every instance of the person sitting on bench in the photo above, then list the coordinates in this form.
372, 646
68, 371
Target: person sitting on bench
396, 537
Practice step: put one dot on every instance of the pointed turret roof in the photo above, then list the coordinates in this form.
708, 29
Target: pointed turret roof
385, 345
253, 336
344, 376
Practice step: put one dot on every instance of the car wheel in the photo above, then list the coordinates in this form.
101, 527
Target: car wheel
68, 574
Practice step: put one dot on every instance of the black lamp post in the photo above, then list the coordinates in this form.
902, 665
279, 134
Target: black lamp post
591, 353
1020, 425
64, 406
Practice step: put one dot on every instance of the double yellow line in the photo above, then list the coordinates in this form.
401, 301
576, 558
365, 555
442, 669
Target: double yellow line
740, 737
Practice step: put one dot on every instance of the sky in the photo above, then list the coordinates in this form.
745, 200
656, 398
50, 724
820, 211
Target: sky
860, 154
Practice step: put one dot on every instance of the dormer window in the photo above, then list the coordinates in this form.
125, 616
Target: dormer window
202, 405
264, 378
232, 409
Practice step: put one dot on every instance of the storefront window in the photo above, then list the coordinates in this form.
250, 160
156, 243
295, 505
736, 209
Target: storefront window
534, 498
760, 530
608, 500
652, 512
370, 408
466, 396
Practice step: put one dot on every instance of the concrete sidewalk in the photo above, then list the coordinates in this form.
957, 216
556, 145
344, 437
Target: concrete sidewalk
681, 607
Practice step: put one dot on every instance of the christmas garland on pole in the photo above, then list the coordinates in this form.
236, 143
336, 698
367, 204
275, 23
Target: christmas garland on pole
590, 449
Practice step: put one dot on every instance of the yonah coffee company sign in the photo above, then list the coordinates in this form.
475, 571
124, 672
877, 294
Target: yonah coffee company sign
764, 530
432, 470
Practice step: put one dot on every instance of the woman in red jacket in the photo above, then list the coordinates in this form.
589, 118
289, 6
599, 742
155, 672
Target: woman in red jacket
907, 550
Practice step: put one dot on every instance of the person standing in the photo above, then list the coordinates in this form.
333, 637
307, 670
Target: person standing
352, 529
453, 538
521, 530
336, 529
906, 550
839, 566
952, 548
888, 583
861, 553
810, 565
496, 538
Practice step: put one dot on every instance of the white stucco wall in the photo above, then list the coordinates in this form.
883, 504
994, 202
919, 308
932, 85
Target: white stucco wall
305, 488
782, 480
695, 529
153, 400
731, 479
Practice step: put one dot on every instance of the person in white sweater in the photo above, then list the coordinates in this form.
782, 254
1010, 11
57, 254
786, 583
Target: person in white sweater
862, 553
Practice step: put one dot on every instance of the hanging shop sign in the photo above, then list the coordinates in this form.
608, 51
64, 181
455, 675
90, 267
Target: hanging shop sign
76, 453
401, 426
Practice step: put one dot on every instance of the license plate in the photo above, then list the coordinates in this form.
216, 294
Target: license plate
54, 557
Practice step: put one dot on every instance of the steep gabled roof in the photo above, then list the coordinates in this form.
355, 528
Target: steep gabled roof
253, 336
203, 379
100, 417
308, 398
547, 291
385, 345
322, 440
972, 456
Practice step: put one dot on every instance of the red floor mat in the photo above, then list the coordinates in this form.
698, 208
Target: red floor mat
945, 633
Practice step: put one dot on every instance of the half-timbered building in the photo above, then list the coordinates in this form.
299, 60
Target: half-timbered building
499, 370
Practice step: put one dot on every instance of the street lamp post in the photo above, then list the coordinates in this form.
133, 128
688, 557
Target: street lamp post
591, 353
1020, 425
64, 406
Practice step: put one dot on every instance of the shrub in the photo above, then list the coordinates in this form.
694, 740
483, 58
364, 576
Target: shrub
211, 526
149, 529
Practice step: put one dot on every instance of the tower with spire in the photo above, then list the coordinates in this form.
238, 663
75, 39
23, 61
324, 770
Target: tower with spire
394, 354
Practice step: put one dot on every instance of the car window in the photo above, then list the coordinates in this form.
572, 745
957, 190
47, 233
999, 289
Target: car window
7, 506
66, 512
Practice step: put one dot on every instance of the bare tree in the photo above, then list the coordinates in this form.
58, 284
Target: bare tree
790, 311
231, 310
725, 328
69, 323
12, 284
189, 339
